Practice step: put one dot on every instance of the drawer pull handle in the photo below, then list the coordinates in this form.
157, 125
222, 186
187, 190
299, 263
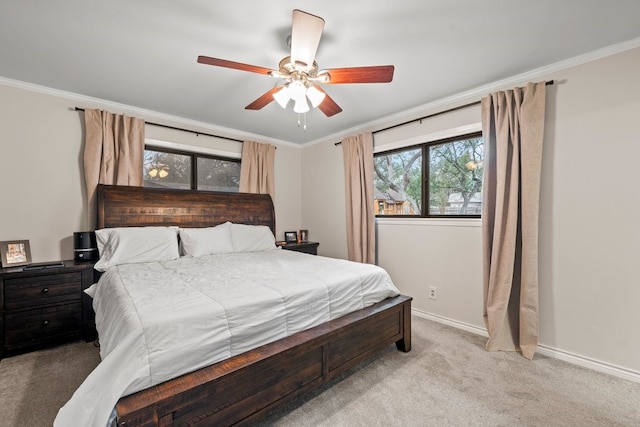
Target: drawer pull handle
45, 323
45, 290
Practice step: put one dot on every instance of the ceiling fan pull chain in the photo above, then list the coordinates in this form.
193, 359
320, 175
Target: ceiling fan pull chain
302, 123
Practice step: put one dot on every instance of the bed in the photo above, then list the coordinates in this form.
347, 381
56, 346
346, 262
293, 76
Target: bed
250, 385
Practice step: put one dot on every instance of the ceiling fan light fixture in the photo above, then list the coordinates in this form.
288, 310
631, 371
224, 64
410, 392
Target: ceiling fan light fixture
315, 96
282, 96
297, 90
301, 106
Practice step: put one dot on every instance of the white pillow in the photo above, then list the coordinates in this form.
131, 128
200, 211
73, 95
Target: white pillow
206, 241
128, 245
252, 238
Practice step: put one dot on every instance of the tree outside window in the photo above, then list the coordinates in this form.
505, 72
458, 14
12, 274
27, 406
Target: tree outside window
398, 182
218, 174
185, 170
451, 171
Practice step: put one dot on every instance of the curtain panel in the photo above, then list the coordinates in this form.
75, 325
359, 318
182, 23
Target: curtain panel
113, 152
358, 170
512, 128
257, 169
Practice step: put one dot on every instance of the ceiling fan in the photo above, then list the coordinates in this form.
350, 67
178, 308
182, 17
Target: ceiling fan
300, 73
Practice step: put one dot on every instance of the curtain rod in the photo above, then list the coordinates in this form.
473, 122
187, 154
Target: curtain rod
183, 130
460, 107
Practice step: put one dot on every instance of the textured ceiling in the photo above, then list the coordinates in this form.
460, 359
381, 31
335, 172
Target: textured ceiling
143, 53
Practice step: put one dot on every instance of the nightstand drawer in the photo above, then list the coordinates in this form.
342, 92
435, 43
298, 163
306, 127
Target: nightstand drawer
38, 324
24, 292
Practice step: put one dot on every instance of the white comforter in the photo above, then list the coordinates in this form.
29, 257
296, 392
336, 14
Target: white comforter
157, 321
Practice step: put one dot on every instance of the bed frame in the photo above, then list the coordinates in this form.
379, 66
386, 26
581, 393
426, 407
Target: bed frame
249, 386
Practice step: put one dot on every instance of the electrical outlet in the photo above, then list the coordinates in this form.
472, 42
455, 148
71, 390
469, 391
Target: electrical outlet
433, 292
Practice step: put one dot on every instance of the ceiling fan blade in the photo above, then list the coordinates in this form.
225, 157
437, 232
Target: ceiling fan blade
264, 100
375, 74
235, 65
328, 106
306, 31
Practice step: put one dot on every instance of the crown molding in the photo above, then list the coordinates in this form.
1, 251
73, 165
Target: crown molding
149, 115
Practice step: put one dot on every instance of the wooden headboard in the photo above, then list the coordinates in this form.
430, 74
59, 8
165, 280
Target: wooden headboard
124, 206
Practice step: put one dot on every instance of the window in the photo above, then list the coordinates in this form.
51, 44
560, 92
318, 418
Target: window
436, 179
186, 170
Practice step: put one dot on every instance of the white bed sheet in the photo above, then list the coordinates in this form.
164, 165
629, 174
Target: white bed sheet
157, 321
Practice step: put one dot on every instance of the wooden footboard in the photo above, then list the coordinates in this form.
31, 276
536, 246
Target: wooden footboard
244, 388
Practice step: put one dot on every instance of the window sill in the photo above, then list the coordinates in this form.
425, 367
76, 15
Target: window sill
431, 222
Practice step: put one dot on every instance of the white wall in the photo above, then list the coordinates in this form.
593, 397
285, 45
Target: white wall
323, 199
589, 227
43, 195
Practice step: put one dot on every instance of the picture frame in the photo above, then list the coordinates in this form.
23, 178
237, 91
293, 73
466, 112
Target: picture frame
290, 236
304, 235
14, 253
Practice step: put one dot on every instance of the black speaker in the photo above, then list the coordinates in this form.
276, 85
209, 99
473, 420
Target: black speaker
85, 247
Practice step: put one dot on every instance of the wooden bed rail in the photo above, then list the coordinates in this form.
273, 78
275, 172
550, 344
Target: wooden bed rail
247, 387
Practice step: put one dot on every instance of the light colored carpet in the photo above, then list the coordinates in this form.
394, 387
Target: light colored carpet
448, 379
33, 386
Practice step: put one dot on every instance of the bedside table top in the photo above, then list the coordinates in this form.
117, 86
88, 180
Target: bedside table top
46, 267
297, 244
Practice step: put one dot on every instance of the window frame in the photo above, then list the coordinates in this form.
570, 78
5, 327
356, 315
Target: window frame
194, 161
424, 146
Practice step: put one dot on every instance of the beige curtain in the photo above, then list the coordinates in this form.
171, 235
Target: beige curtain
512, 128
257, 169
358, 171
113, 152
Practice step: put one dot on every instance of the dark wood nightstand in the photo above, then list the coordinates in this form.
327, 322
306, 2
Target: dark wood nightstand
45, 306
305, 247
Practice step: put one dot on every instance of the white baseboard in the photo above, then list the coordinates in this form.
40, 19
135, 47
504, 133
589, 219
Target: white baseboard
545, 350
589, 363
449, 322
